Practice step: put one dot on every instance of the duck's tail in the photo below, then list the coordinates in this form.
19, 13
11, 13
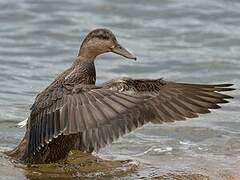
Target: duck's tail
20, 152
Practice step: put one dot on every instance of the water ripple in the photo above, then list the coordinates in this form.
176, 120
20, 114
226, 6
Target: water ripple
191, 40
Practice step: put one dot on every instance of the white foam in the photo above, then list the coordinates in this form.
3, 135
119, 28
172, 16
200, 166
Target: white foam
4, 149
161, 150
145, 152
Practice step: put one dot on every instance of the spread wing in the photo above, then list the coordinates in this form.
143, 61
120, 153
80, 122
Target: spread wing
167, 102
75, 109
174, 101
99, 115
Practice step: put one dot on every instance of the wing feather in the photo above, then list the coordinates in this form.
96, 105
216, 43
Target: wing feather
100, 115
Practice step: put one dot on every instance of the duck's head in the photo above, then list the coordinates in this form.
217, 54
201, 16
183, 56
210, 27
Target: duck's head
101, 41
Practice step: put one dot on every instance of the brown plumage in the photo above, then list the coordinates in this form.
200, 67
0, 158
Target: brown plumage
73, 113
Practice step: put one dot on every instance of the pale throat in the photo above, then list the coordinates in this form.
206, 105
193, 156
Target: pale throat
90, 53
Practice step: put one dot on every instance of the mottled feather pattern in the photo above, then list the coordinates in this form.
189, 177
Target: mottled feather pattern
98, 115
74, 113
83, 109
139, 86
169, 102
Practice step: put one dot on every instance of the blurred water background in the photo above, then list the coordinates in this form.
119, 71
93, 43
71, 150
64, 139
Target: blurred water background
189, 40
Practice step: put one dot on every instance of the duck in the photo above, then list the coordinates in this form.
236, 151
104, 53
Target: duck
75, 113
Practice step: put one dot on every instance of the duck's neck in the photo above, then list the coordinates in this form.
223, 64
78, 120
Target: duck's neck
84, 70
88, 52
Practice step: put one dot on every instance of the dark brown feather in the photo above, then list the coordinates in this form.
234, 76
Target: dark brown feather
97, 116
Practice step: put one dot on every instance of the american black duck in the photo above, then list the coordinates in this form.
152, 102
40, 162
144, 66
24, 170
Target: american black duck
74, 113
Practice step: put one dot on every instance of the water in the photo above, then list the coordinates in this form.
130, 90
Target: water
190, 41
